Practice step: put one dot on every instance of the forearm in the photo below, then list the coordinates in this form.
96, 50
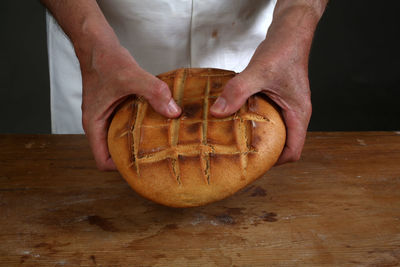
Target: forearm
312, 9
85, 25
292, 29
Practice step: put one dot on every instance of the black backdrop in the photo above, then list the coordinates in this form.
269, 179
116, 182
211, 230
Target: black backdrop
354, 68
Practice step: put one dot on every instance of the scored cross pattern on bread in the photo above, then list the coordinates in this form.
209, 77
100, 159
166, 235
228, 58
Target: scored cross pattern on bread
175, 151
195, 158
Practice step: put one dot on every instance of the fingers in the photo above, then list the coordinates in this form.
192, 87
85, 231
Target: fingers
159, 96
235, 94
240, 88
296, 135
96, 114
97, 136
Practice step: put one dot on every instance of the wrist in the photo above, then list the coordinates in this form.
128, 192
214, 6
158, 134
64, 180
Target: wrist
294, 23
85, 25
302, 12
95, 40
289, 36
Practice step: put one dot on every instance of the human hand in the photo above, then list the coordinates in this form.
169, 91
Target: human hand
283, 77
112, 76
109, 72
279, 68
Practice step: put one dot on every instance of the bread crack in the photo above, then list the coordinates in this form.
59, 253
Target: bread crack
205, 155
207, 168
176, 171
179, 86
254, 117
242, 129
140, 113
131, 124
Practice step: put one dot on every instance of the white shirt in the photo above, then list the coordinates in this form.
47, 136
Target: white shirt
161, 35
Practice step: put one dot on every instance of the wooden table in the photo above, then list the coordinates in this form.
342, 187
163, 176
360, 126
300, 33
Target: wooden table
339, 205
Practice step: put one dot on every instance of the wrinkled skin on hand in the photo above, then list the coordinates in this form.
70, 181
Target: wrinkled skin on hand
279, 69
110, 74
282, 75
113, 75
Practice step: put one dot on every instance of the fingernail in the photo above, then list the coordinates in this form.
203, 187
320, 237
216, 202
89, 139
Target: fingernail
172, 107
219, 105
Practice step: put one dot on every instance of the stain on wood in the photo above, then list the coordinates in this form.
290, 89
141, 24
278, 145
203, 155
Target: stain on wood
225, 219
258, 191
103, 223
339, 205
269, 217
93, 259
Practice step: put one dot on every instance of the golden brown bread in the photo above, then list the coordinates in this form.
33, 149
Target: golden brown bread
197, 158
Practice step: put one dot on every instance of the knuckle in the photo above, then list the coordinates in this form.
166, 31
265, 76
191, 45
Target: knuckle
307, 106
123, 75
309, 110
158, 90
238, 88
295, 156
101, 166
85, 112
85, 122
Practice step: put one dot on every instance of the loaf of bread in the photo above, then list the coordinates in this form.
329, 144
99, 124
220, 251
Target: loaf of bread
197, 158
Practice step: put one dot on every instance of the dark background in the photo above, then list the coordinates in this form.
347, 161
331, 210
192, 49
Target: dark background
354, 68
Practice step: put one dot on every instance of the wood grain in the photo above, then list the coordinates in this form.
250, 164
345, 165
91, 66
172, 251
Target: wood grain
339, 205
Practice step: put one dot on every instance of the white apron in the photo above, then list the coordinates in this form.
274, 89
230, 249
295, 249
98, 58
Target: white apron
161, 35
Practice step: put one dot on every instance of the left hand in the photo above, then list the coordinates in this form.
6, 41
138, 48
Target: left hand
283, 77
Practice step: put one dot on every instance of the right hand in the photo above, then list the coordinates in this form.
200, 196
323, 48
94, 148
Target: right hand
111, 76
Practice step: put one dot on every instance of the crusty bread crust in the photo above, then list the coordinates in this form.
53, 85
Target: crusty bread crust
197, 158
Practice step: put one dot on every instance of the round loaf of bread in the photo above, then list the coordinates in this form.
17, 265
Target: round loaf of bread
197, 158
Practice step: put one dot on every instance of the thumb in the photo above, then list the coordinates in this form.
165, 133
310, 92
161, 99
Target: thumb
234, 95
159, 96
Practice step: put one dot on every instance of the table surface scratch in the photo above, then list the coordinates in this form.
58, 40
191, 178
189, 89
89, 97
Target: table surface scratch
339, 205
